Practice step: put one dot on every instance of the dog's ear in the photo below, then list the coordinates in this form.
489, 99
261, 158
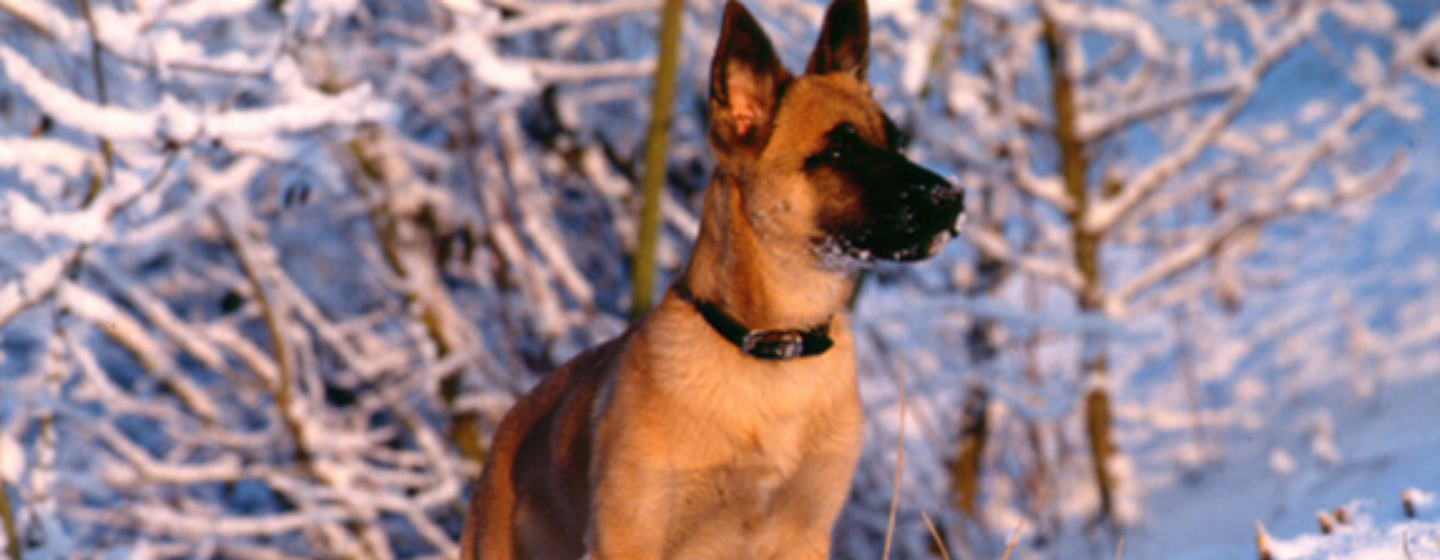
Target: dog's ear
746, 80
844, 44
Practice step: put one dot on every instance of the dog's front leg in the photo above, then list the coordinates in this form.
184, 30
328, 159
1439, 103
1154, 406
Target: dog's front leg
803, 513
802, 519
631, 513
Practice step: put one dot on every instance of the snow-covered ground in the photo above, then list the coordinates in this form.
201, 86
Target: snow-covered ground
1342, 363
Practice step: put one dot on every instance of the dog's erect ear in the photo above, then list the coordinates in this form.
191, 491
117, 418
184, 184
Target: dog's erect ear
844, 44
746, 80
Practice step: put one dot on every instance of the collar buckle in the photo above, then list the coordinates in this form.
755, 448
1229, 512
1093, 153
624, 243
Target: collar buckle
773, 345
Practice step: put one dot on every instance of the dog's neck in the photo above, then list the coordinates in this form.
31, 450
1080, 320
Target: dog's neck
764, 284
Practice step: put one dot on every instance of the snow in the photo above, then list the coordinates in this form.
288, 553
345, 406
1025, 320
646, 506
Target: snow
1418, 499
64, 106
917, 56
1371, 15
173, 120
1368, 450
23, 214
1367, 70
39, 279
465, 7
46, 16
36, 157
12, 460
1365, 540
1281, 462
470, 42
351, 107
191, 13
1097, 17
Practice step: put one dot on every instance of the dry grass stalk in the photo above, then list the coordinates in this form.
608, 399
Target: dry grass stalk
1262, 542
899, 457
1014, 540
935, 534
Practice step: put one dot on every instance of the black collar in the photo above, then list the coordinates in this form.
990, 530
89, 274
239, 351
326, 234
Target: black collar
765, 345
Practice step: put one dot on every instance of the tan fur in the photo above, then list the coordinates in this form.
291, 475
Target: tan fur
669, 442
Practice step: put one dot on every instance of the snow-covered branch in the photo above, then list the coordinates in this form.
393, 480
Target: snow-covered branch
1103, 216
997, 247
1207, 244
173, 121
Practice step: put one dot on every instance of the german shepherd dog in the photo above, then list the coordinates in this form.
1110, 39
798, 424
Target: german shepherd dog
727, 422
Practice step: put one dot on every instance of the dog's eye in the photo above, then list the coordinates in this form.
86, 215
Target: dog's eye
841, 139
840, 142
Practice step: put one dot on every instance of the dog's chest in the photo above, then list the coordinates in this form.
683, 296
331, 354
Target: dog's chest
771, 452
739, 431
759, 465
771, 431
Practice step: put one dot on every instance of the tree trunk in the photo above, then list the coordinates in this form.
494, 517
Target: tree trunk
1075, 165
967, 467
7, 521
982, 345
661, 101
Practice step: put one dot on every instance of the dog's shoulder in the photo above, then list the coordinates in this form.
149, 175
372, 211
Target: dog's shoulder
580, 379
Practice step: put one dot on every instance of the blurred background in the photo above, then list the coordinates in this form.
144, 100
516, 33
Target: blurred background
272, 271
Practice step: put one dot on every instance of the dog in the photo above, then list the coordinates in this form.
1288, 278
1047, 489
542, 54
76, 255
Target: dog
727, 422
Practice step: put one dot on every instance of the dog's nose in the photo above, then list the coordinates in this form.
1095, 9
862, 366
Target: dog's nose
939, 192
946, 194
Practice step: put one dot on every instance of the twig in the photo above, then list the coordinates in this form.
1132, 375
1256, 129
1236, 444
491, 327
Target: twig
102, 95
935, 534
899, 457
22, 13
41, 281
380, 177
1014, 540
282, 387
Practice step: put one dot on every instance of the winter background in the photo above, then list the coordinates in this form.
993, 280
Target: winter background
271, 272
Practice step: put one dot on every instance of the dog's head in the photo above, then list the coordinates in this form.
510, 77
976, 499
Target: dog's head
816, 158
